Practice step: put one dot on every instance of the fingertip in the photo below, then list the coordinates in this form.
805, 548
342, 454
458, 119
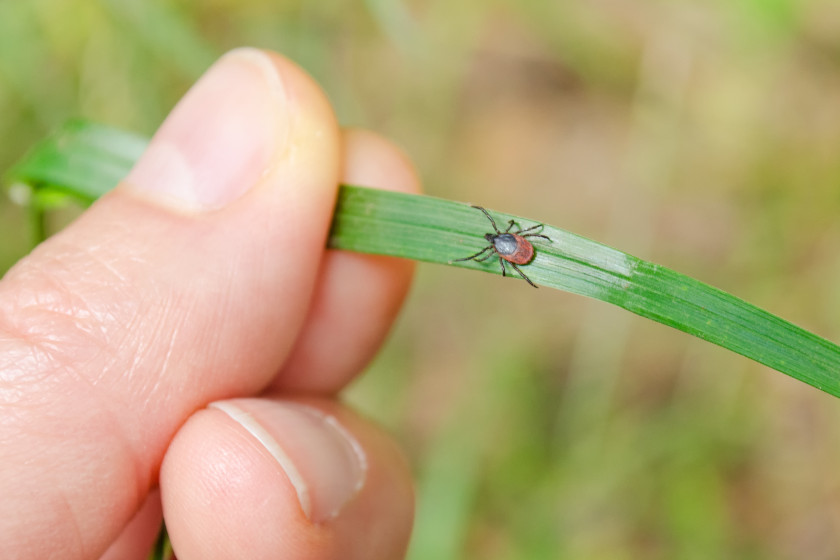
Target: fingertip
357, 297
226, 493
371, 160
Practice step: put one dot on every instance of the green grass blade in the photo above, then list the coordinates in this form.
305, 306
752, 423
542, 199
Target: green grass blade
88, 159
82, 159
434, 230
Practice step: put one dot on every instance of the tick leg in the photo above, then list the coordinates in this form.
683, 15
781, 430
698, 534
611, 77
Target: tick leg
516, 268
487, 256
537, 235
532, 228
489, 217
504, 270
510, 225
475, 255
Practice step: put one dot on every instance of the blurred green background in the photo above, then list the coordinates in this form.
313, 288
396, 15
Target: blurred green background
703, 135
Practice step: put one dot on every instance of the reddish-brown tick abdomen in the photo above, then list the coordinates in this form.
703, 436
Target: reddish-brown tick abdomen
524, 251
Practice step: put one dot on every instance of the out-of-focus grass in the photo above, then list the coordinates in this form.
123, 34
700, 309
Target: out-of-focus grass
708, 131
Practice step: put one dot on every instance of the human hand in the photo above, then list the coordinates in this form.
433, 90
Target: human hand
133, 345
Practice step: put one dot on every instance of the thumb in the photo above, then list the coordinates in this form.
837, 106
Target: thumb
186, 284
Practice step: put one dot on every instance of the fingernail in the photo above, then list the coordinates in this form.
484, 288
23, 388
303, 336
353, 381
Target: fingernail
219, 139
323, 461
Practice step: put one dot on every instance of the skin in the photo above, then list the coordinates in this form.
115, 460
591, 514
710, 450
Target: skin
116, 333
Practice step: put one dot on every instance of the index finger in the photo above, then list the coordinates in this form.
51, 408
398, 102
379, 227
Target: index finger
357, 297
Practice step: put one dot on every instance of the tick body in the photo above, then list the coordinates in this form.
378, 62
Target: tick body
510, 247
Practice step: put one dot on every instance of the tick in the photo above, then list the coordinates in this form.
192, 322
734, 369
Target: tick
509, 246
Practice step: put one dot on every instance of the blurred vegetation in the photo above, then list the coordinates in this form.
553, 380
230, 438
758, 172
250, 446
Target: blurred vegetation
700, 135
